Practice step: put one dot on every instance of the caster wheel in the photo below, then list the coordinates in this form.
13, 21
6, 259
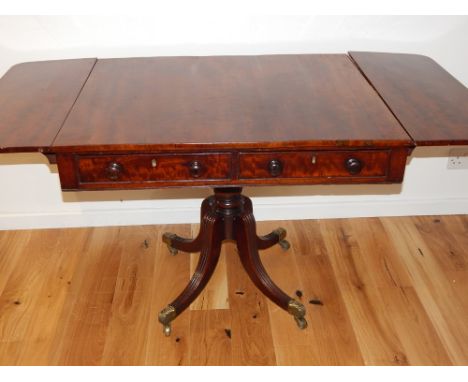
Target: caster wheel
168, 237
167, 330
284, 244
173, 251
301, 323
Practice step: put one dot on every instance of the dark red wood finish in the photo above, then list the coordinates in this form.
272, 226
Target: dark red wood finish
313, 164
227, 215
212, 235
428, 101
191, 103
35, 99
230, 121
150, 170
153, 168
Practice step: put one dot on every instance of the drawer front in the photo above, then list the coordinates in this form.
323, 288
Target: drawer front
318, 164
99, 171
141, 168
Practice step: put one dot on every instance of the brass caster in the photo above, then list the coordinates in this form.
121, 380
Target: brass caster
298, 311
167, 330
173, 251
301, 322
281, 232
284, 244
168, 237
165, 317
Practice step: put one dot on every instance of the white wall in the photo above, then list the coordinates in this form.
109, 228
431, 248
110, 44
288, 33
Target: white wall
30, 195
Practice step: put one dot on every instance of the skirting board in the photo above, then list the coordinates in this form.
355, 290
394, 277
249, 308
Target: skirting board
265, 209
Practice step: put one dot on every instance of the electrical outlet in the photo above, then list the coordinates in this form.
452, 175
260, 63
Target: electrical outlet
458, 159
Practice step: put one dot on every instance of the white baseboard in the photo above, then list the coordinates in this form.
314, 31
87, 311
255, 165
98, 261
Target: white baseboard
267, 208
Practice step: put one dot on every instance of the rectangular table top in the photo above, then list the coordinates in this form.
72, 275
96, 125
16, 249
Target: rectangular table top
243, 100
225, 102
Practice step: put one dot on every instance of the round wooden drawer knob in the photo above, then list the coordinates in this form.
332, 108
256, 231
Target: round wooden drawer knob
114, 170
195, 169
353, 165
275, 167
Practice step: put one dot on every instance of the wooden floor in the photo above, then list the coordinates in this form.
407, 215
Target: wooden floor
388, 291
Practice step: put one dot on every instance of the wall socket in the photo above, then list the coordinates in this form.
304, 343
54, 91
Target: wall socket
458, 159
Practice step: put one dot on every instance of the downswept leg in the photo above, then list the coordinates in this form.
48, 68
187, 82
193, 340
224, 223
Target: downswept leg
275, 237
175, 243
212, 229
248, 251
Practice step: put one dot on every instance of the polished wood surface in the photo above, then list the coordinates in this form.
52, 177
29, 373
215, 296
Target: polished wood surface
226, 120
173, 103
230, 102
379, 291
228, 215
321, 164
99, 171
35, 99
428, 101
154, 168
220, 121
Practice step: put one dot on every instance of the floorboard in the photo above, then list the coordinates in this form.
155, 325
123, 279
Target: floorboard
378, 291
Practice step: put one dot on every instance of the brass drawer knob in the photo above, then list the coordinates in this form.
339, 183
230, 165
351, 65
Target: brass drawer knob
275, 167
353, 165
114, 170
195, 168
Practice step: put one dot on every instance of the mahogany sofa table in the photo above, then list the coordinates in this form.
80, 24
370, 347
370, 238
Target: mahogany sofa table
226, 122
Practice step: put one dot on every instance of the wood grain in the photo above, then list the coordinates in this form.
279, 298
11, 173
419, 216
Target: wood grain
173, 103
441, 297
210, 339
81, 337
329, 339
35, 99
377, 339
139, 168
127, 332
215, 295
133, 171
36, 291
388, 291
321, 164
388, 275
170, 276
252, 340
429, 102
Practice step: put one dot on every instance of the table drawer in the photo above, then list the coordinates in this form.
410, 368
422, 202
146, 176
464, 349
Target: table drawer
314, 164
140, 168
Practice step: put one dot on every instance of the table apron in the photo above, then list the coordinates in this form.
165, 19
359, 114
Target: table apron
106, 171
